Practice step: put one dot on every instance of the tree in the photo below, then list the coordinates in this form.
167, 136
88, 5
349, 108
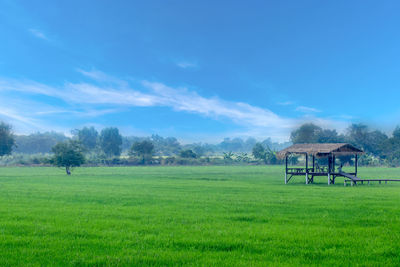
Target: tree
88, 137
38, 142
306, 133
259, 151
188, 153
68, 154
143, 149
111, 141
358, 134
7, 140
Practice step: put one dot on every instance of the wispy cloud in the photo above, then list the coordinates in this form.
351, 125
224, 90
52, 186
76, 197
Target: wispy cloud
38, 34
307, 109
286, 103
186, 64
108, 94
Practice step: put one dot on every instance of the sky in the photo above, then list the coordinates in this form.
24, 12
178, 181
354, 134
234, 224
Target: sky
199, 70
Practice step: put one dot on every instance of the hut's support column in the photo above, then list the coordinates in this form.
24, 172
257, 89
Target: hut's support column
313, 168
286, 158
306, 168
329, 170
356, 164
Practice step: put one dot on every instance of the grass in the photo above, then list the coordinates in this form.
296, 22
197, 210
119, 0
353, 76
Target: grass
208, 216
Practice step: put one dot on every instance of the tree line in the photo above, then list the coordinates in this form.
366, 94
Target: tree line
379, 147
89, 146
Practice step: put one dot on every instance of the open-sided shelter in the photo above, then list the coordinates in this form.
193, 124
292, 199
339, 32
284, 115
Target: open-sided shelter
313, 151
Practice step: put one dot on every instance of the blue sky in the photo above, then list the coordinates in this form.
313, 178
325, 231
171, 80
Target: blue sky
199, 70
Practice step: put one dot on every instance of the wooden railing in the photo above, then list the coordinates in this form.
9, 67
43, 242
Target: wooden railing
322, 169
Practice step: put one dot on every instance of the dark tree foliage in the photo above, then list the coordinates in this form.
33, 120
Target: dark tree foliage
265, 154
311, 133
143, 149
88, 137
38, 142
259, 151
68, 154
306, 133
391, 148
110, 141
358, 135
7, 140
370, 141
165, 146
188, 153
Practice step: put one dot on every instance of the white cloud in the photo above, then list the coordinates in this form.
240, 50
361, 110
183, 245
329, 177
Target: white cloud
186, 64
38, 34
286, 103
110, 94
307, 109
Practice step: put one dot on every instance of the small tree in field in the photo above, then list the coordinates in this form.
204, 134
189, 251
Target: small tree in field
68, 154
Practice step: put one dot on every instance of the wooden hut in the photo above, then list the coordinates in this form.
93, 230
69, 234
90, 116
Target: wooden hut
313, 151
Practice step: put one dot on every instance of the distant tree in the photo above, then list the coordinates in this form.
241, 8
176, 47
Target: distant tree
391, 148
375, 142
68, 154
199, 150
358, 134
259, 151
7, 140
243, 157
88, 136
165, 146
306, 133
265, 154
270, 157
329, 136
188, 153
396, 133
38, 142
228, 155
110, 141
236, 144
143, 149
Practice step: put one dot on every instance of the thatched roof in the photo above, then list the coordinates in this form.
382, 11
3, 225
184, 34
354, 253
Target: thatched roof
321, 150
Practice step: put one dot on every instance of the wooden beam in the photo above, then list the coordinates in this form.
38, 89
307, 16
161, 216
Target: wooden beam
356, 164
286, 162
313, 163
306, 168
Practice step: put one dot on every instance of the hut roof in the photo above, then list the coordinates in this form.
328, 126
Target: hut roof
321, 150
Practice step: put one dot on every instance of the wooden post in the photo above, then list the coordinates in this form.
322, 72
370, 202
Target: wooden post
333, 163
313, 163
306, 168
286, 158
356, 164
329, 170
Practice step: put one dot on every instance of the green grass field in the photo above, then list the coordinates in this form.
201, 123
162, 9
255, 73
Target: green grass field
226, 216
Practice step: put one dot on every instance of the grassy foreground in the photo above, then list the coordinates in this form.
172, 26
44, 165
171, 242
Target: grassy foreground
205, 216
